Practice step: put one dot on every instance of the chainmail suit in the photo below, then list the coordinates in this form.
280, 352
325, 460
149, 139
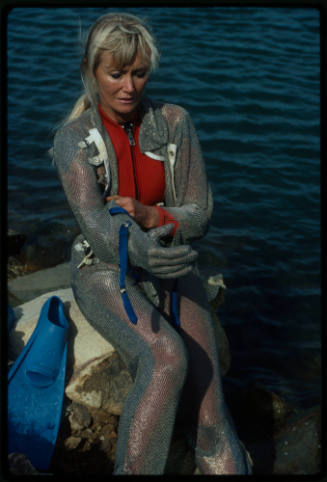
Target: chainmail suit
167, 365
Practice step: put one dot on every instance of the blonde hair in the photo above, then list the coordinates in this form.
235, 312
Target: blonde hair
124, 36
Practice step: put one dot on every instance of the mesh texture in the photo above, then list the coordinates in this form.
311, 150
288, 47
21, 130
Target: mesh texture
168, 367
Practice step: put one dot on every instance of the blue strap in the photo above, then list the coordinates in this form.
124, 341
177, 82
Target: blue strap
123, 256
174, 305
123, 260
118, 210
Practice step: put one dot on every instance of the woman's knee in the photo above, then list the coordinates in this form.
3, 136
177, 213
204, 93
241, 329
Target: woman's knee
171, 358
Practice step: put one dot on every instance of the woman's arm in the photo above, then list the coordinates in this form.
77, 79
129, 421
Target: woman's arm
146, 216
194, 197
100, 228
83, 194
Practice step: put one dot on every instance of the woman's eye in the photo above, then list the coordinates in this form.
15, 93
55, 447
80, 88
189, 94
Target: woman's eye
141, 74
115, 75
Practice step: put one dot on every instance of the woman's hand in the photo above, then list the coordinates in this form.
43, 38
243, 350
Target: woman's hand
146, 216
145, 251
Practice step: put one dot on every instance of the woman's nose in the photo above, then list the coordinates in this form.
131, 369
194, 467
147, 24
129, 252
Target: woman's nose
129, 84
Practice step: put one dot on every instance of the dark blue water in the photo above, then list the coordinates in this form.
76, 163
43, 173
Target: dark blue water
250, 77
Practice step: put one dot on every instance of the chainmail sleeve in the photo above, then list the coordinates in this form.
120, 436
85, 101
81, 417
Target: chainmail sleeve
83, 193
194, 203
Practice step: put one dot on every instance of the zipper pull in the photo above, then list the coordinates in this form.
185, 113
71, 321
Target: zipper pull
128, 128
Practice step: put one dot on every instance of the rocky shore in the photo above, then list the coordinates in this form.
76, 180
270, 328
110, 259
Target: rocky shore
280, 439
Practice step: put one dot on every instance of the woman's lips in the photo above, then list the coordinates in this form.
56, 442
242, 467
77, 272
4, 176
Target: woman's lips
127, 101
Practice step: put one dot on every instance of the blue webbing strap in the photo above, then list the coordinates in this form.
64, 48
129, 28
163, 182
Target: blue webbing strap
174, 302
123, 259
123, 256
118, 210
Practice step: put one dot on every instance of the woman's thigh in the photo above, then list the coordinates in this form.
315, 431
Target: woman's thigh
97, 292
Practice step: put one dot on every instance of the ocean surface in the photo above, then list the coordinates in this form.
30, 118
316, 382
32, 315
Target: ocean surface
250, 78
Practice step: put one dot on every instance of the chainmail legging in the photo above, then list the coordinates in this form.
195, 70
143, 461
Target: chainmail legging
164, 363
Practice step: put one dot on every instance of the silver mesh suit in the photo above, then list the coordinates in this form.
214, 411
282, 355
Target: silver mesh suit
168, 366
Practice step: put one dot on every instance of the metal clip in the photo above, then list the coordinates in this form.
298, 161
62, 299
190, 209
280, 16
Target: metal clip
87, 260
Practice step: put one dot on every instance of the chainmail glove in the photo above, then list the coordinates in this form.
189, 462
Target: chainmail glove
145, 251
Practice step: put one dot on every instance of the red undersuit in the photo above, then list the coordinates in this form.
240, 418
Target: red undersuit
140, 177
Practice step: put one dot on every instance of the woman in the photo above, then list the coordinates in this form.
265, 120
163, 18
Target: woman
133, 174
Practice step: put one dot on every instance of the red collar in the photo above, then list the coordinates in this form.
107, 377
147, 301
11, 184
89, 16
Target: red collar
105, 116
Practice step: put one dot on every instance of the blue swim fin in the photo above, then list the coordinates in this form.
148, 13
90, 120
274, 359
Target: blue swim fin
36, 384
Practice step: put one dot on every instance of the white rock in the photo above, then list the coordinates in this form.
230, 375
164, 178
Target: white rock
88, 344
92, 399
86, 347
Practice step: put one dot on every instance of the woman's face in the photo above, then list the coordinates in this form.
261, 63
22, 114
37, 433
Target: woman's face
121, 90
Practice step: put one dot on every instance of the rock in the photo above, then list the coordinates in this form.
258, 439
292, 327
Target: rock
120, 383
105, 386
15, 242
19, 464
280, 409
71, 443
15, 268
280, 438
257, 412
87, 451
295, 449
79, 417
31, 286
88, 350
298, 445
48, 244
